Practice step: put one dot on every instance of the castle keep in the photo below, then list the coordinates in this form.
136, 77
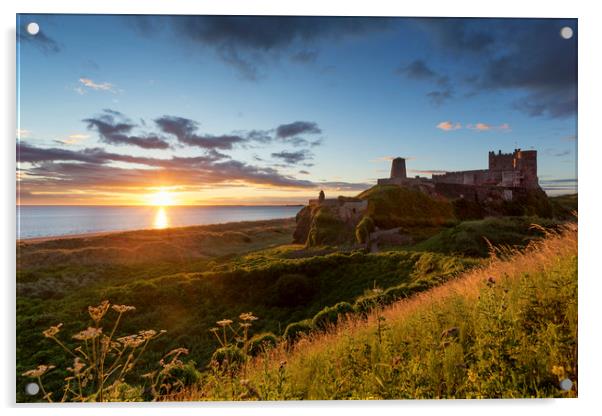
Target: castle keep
511, 170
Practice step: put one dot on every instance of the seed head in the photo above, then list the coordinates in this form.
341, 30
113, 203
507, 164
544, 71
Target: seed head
123, 308
224, 322
38, 372
89, 333
247, 316
52, 331
97, 312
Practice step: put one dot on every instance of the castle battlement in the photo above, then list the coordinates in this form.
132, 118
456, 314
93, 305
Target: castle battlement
514, 170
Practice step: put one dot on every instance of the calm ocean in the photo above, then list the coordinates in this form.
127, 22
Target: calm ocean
47, 221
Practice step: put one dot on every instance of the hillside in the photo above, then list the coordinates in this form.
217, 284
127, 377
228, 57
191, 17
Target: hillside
508, 329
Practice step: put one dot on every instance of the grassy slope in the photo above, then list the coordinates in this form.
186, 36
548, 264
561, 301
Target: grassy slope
187, 298
506, 330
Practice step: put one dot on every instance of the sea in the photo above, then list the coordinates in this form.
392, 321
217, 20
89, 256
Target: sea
54, 221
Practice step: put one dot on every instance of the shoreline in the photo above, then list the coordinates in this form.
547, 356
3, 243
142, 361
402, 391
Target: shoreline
35, 240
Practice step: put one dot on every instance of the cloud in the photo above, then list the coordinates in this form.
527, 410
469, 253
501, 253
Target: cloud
298, 127
557, 153
419, 70
525, 55
292, 158
23, 133
428, 172
66, 169
114, 128
185, 131
488, 127
449, 126
88, 83
249, 43
73, 139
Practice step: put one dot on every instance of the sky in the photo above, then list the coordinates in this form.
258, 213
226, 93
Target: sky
242, 110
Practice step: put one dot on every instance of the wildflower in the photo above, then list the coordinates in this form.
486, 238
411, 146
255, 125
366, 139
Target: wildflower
148, 334
558, 371
214, 330
245, 325
133, 341
472, 375
248, 316
123, 308
97, 312
224, 322
52, 331
89, 333
78, 365
37, 372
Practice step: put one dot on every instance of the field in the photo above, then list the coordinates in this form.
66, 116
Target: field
184, 280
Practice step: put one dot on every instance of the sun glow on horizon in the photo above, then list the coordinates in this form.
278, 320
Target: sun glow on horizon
162, 198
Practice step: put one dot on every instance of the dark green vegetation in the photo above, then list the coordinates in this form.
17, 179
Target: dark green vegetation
281, 285
508, 330
185, 280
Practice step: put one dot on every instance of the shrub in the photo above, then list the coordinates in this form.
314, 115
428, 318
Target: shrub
231, 355
262, 342
330, 315
296, 329
293, 290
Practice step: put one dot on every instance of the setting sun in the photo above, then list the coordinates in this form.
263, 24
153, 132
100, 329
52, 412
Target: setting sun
162, 198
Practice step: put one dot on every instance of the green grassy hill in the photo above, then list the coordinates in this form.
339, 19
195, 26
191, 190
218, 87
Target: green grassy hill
505, 330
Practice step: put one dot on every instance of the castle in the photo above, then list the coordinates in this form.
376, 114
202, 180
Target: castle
510, 170
508, 176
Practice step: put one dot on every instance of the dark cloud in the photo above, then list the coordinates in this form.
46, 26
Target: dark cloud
298, 127
247, 42
91, 167
292, 158
114, 128
525, 55
185, 131
41, 40
419, 70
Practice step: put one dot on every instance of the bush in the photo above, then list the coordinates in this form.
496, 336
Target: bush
233, 355
262, 342
296, 329
330, 315
293, 290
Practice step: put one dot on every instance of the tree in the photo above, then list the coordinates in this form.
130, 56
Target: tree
321, 196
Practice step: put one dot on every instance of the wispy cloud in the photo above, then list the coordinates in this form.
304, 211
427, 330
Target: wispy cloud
87, 83
23, 133
73, 139
449, 126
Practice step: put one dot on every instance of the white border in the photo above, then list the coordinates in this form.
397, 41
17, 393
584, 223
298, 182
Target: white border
590, 289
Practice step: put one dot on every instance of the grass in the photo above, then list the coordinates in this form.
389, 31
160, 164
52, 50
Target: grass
188, 298
290, 283
505, 330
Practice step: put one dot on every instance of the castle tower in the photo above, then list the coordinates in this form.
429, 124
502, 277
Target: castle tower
526, 162
398, 168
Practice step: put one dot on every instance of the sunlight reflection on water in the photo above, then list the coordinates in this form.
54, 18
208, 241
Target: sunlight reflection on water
161, 220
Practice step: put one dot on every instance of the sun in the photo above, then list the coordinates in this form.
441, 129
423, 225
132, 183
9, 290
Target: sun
162, 198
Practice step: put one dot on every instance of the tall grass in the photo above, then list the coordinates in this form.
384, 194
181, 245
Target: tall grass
507, 329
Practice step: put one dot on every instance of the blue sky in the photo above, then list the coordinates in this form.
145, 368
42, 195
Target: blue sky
270, 110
